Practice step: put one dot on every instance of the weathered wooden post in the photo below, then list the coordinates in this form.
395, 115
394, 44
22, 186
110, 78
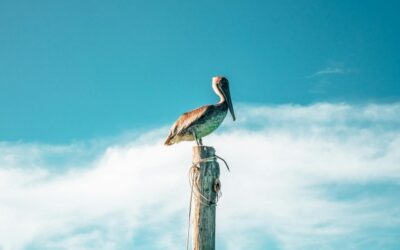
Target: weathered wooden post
206, 186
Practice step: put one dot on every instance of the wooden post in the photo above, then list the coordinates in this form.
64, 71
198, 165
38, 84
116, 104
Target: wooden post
205, 200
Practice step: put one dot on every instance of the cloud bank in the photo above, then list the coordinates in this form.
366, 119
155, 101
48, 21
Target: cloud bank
324, 176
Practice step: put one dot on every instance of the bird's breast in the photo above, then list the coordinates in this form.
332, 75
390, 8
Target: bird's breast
210, 122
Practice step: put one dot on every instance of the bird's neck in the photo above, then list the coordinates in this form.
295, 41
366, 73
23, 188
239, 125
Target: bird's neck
219, 93
222, 104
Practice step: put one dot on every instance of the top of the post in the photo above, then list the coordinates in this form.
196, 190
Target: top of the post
201, 152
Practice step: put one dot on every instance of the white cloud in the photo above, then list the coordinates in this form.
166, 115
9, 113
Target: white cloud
328, 71
303, 177
336, 70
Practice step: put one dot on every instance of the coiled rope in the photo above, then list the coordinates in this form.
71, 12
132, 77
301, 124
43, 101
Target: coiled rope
194, 181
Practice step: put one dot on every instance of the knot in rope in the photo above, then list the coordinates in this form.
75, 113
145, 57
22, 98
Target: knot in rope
211, 159
208, 159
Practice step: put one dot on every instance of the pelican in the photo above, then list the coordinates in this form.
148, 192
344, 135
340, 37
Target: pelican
198, 123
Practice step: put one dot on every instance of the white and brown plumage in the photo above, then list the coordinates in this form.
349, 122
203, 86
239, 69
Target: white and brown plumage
202, 121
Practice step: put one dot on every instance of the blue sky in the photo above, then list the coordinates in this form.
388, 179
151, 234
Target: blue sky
88, 90
75, 70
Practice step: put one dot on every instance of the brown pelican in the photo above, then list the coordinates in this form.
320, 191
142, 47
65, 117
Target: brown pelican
202, 121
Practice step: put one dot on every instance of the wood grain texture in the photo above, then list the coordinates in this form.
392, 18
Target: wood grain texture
204, 211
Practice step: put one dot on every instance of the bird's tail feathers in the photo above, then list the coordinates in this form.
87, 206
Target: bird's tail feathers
168, 141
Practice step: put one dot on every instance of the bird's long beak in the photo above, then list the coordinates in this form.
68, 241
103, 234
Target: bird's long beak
228, 99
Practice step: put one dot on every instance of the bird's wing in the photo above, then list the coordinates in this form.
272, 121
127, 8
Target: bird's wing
186, 120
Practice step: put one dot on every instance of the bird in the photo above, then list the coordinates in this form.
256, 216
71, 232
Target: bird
200, 122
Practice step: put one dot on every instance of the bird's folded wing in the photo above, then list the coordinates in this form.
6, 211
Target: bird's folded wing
187, 119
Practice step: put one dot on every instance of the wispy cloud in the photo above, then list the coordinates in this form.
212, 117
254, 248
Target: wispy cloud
303, 177
336, 70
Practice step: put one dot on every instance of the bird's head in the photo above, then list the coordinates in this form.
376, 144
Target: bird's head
222, 84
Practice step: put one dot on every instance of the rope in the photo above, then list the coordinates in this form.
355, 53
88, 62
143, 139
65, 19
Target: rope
226, 164
194, 180
190, 212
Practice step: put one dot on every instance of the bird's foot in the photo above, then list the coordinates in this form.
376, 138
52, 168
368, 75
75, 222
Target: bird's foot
199, 142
